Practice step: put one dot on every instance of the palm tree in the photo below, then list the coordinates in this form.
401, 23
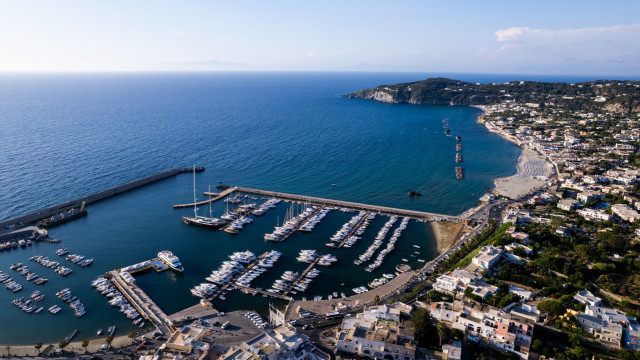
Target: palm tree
109, 339
8, 347
85, 343
132, 336
376, 299
62, 344
38, 346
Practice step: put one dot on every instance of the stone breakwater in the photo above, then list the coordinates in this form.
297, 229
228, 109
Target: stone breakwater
66, 206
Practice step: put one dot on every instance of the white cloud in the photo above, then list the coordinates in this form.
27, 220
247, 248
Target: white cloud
611, 49
526, 35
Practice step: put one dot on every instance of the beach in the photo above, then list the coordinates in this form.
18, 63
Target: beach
533, 172
445, 233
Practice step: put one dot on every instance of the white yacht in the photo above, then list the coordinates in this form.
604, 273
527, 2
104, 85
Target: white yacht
171, 260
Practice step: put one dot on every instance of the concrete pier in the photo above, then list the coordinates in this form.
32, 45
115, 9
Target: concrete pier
143, 303
418, 215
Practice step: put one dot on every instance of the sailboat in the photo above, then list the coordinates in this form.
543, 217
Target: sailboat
198, 220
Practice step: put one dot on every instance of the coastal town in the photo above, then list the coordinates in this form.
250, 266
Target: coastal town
547, 266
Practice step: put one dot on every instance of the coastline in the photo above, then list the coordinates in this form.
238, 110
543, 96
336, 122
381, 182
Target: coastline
95, 345
533, 169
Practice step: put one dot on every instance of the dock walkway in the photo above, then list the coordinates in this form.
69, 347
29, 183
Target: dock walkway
302, 275
299, 225
232, 283
204, 202
419, 215
354, 229
264, 292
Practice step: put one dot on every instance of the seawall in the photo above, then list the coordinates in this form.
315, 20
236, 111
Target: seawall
89, 199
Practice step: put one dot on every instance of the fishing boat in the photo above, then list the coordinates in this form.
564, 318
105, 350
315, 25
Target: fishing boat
197, 220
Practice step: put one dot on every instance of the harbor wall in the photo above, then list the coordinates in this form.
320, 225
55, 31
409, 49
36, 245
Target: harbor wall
89, 199
352, 205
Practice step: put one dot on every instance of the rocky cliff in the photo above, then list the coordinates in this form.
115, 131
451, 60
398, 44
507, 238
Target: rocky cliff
615, 95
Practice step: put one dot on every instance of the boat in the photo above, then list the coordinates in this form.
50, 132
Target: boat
459, 172
203, 221
99, 332
458, 138
170, 260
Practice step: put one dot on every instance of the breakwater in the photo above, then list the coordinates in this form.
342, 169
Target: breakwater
419, 215
89, 199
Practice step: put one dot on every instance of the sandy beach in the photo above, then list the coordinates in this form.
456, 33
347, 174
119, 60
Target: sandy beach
445, 233
95, 345
533, 172
533, 168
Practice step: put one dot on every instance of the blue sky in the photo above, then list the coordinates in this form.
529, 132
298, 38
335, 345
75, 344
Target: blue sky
519, 37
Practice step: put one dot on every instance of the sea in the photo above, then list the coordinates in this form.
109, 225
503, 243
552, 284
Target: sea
63, 136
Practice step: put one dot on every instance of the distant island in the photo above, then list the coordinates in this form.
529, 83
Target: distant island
618, 96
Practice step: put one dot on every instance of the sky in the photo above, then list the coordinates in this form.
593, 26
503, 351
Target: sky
498, 37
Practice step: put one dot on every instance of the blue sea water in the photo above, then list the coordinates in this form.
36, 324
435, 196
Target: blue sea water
65, 136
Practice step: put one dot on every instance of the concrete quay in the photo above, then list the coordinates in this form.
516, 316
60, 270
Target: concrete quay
143, 303
204, 202
89, 199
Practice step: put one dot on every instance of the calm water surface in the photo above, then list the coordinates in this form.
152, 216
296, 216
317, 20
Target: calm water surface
65, 136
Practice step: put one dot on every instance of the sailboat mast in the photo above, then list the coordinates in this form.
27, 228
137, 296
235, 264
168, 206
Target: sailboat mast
210, 212
195, 208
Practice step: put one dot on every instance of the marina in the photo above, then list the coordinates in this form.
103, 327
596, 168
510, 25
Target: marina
135, 225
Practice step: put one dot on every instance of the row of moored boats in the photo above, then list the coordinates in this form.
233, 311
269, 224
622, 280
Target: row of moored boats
74, 303
390, 245
52, 264
116, 299
377, 242
8, 245
291, 222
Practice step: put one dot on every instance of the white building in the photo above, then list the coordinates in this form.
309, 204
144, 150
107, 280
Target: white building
487, 256
586, 297
375, 338
625, 212
281, 343
594, 215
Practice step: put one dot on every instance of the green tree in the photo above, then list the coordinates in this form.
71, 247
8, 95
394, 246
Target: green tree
536, 345
552, 307
442, 332
38, 346
423, 327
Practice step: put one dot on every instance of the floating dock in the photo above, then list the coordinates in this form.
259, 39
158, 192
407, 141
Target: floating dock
303, 274
354, 229
418, 215
232, 283
299, 225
